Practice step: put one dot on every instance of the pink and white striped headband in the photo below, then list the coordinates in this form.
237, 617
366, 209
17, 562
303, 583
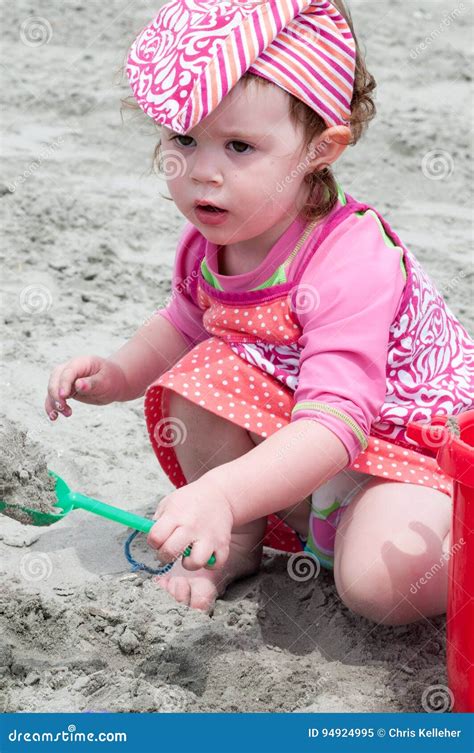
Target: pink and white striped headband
193, 53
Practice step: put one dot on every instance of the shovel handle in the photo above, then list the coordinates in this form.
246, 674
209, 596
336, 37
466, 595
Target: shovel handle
128, 519
111, 513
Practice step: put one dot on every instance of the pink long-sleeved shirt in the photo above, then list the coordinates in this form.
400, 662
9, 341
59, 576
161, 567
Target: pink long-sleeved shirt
358, 279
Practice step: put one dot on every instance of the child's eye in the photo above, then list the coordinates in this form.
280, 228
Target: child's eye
241, 143
179, 136
240, 147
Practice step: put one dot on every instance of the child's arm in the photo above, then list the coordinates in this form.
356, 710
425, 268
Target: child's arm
157, 345
152, 350
341, 387
125, 375
281, 471
276, 474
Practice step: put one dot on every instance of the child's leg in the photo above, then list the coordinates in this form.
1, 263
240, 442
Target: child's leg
210, 442
390, 541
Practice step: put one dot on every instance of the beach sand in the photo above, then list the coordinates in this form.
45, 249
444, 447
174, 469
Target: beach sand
87, 255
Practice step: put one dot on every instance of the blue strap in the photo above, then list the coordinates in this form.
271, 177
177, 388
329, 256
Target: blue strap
140, 565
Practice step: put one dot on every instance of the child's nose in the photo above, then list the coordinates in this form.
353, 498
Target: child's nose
206, 169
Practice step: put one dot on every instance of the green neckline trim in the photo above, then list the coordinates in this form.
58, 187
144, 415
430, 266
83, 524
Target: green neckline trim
209, 277
278, 277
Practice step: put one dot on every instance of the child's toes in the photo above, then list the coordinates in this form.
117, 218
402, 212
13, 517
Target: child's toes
203, 594
197, 592
162, 580
165, 582
180, 588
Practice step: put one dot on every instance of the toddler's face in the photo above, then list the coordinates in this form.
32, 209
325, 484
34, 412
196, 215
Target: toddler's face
245, 157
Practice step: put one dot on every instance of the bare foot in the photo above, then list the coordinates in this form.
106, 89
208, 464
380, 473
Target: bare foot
200, 588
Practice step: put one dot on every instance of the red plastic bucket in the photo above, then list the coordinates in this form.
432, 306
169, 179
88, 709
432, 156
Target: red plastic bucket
453, 440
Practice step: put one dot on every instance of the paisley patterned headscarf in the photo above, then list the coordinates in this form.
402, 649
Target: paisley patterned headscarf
193, 53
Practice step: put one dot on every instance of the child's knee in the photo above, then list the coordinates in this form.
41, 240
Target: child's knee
364, 589
393, 592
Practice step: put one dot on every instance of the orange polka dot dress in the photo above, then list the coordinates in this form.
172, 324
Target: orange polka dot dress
246, 372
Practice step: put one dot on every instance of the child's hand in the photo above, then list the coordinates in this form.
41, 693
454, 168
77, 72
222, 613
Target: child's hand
197, 514
88, 379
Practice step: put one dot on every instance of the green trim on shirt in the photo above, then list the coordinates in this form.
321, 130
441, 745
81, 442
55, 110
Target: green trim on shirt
209, 277
386, 238
277, 278
340, 195
325, 408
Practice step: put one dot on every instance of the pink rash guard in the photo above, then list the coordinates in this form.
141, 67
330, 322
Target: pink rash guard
353, 286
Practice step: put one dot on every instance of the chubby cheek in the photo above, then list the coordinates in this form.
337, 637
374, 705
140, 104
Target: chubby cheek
175, 185
279, 187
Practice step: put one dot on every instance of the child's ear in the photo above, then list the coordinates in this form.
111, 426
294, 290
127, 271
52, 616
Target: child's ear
328, 146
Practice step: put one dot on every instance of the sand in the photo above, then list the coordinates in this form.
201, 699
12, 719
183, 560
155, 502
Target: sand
87, 256
24, 479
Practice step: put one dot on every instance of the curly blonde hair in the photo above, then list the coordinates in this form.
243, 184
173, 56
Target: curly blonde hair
322, 195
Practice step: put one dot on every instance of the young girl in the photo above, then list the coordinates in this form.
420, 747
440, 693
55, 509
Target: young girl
301, 336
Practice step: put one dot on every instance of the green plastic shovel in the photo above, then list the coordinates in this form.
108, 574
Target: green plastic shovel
67, 501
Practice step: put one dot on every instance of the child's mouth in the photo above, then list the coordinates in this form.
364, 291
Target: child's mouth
210, 208
210, 215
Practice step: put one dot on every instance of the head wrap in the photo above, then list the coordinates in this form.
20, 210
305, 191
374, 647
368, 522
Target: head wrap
193, 53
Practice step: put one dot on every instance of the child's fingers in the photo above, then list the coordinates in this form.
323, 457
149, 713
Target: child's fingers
68, 383
51, 405
54, 384
53, 409
221, 555
174, 545
200, 553
160, 532
76, 374
50, 409
84, 385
